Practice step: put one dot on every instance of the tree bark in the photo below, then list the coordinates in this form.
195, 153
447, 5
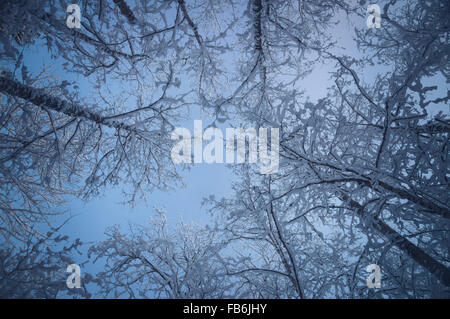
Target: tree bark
431, 207
42, 99
191, 23
126, 11
441, 272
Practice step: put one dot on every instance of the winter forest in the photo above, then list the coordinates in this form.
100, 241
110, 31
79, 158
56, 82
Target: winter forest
88, 107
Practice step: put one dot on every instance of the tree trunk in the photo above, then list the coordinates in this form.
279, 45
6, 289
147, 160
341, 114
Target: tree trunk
441, 272
126, 11
42, 99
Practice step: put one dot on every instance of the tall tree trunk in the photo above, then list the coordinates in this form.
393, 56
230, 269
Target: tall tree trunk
42, 99
378, 185
190, 22
126, 11
441, 272
257, 24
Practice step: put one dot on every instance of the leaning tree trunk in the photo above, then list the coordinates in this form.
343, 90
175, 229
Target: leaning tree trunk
126, 11
441, 272
42, 99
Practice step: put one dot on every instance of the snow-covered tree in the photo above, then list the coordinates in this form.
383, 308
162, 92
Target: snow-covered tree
369, 161
161, 262
280, 250
363, 175
56, 141
36, 267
